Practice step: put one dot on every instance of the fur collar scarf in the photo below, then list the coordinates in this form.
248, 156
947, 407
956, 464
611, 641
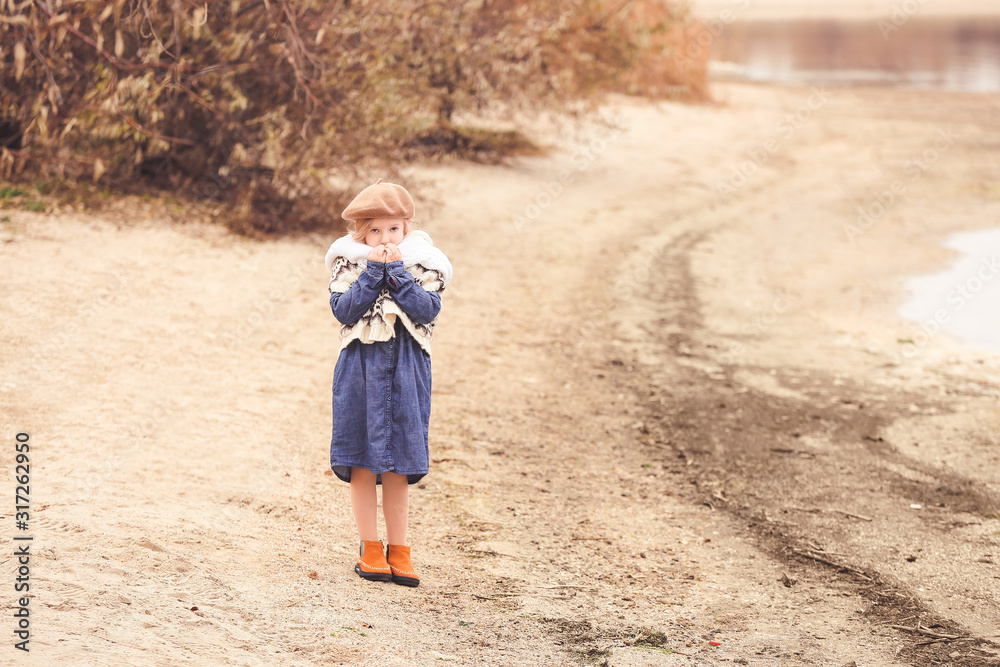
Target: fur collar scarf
416, 248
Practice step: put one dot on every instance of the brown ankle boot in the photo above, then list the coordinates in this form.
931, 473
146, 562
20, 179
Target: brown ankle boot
401, 567
371, 564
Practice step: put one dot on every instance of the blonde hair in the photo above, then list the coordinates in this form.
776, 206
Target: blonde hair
358, 228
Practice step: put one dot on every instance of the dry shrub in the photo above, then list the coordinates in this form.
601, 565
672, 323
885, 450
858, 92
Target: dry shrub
254, 103
673, 52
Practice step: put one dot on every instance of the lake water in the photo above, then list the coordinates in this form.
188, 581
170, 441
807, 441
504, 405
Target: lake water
942, 54
963, 300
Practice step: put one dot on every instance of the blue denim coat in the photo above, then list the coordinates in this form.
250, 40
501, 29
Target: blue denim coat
382, 390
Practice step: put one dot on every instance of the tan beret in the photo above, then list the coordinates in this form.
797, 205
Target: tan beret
380, 200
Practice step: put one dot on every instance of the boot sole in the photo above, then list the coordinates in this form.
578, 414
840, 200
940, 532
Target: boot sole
405, 581
372, 576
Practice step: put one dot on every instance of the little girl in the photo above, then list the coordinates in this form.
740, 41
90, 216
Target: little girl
386, 280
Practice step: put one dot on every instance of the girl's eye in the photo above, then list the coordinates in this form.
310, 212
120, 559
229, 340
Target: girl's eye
394, 229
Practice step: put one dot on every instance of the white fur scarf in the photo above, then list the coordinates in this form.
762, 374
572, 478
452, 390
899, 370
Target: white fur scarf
347, 259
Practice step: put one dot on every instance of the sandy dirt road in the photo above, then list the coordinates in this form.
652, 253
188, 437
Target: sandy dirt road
664, 380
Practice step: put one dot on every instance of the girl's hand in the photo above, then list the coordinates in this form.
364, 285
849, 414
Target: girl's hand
378, 253
392, 252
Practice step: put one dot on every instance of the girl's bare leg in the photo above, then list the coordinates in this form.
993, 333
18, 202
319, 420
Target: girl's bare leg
364, 503
395, 506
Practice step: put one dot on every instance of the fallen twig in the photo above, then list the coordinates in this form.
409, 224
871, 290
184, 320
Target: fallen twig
821, 550
831, 510
930, 633
851, 514
926, 631
932, 641
833, 564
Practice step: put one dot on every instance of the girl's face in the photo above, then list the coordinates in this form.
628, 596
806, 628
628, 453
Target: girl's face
384, 230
